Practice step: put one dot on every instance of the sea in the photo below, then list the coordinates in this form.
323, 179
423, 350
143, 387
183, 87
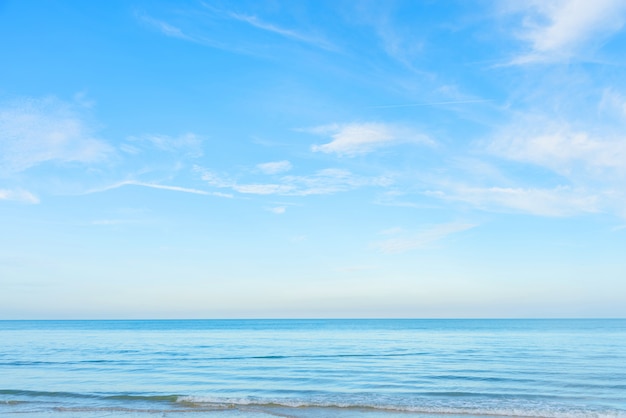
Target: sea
313, 368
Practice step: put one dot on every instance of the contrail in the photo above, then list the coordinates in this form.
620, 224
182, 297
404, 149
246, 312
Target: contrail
156, 186
433, 103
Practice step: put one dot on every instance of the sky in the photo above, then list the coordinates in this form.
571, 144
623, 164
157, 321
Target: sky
295, 159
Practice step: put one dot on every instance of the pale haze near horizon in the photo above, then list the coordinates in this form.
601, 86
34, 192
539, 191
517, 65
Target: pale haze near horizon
312, 159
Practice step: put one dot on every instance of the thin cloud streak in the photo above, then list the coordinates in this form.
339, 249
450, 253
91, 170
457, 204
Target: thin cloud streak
352, 139
287, 33
158, 186
275, 167
18, 195
557, 202
172, 31
326, 181
200, 37
421, 240
164, 27
188, 144
431, 104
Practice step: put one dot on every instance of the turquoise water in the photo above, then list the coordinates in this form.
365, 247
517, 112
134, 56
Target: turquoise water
313, 368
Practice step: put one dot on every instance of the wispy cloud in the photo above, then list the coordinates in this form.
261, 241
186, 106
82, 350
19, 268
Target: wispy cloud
188, 33
400, 45
423, 239
438, 103
560, 147
189, 143
275, 167
165, 28
397, 38
19, 196
35, 131
279, 189
556, 30
325, 181
60, 134
362, 138
158, 186
177, 189
613, 103
212, 26
278, 210
557, 202
287, 33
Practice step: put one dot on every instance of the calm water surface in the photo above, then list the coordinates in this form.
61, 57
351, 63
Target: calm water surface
313, 368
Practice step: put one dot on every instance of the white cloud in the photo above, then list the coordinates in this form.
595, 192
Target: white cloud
188, 143
275, 167
559, 147
613, 103
280, 189
325, 181
556, 30
421, 239
19, 196
332, 180
361, 138
214, 179
278, 210
559, 201
34, 131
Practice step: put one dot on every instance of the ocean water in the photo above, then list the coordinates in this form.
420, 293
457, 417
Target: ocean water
313, 368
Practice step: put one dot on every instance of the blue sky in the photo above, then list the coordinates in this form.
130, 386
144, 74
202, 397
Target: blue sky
215, 159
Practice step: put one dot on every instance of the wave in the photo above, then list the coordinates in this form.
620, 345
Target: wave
76, 396
321, 356
435, 403
189, 357
37, 394
517, 409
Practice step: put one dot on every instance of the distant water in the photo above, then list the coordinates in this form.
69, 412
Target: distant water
313, 368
